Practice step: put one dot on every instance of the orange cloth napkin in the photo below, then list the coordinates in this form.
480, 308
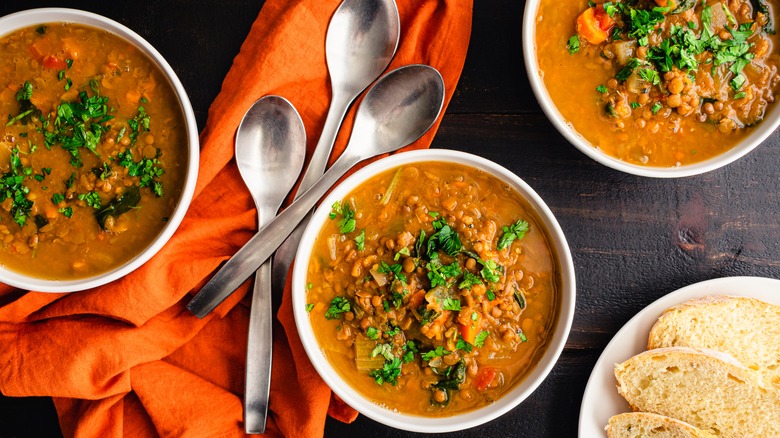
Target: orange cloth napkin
128, 359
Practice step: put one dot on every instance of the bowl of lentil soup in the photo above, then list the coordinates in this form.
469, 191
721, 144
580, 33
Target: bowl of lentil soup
659, 88
99, 155
433, 290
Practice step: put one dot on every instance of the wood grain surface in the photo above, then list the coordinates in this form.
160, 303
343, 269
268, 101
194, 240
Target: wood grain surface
633, 239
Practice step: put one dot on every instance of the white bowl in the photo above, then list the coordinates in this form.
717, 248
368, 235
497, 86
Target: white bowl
758, 135
511, 398
19, 20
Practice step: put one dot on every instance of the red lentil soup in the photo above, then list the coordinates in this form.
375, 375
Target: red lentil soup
92, 155
433, 288
660, 82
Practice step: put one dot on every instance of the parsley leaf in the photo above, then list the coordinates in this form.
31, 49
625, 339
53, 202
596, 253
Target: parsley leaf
439, 274
338, 306
444, 238
512, 233
573, 45
479, 341
469, 280
372, 333
410, 348
360, 240
347, 222
451, 304
437, 352
395, 269
491, 271
388, 373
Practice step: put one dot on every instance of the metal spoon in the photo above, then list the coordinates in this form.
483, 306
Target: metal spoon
362, 39
397, 110
270, 149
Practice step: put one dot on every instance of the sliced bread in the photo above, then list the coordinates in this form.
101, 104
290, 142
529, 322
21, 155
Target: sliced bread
743, 327
649, 425
707, 389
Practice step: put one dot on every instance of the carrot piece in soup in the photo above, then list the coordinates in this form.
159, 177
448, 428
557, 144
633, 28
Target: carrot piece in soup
54, 63
594, 25
469, 330
484, 378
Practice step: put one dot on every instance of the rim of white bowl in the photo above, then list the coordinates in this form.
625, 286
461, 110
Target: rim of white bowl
508, 400
758, 136
31, 17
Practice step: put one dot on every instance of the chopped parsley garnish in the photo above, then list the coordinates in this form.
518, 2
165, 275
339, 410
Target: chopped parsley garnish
395, 269
649, 75
390, 370
491, 295
388, 373
440, 274
437, 352
573, 45
490, 271
11, 186
444, 238
309, 307
148, 169
642, 22
410, 348
451, 304
463, 345
625, 73
360, 240
92, 199
141, 122
67, 212
656, 107
469, 280
403, 251
372, 333
523, 337
479, 341
347, 222
511, 233
602, 89
338, 306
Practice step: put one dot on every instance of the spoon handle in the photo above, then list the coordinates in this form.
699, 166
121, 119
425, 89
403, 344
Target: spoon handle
259, 353
260, 247
319, 161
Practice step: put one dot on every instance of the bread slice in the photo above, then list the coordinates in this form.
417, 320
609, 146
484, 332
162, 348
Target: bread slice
648, 425
743, 327
705, 388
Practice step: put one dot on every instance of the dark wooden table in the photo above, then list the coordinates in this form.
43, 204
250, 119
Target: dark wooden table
633, 239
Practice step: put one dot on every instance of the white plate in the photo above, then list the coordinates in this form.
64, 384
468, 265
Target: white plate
601, 399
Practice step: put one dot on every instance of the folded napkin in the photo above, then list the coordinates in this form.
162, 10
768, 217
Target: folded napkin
128, 359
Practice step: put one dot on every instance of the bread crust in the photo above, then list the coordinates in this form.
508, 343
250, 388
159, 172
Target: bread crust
649, 425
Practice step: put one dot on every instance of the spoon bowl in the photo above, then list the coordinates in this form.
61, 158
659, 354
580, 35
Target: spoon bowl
362, 38
397, 110
270, 149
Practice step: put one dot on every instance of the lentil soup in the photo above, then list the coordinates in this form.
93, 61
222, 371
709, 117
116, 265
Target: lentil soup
93, 154
433, 290
660, 83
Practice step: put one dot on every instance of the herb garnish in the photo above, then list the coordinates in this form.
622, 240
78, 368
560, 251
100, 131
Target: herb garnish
11, 186
512, 232
338, 306
347, 222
